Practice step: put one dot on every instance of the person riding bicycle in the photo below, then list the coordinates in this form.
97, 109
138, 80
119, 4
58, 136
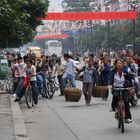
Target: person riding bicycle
42, 69
69, 72
118, 80
31, 74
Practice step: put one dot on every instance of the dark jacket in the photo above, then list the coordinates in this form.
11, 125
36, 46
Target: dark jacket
105, 74
127, 78
94, 74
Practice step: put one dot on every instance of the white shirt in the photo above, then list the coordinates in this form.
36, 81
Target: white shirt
69, 67
22, 69
119, 81
31, 72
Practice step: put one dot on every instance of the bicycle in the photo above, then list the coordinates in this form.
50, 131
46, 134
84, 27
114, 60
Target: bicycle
120, 109
50, 86
29, 97
6, 84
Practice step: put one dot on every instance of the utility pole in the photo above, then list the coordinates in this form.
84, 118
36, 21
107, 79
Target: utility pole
133, 7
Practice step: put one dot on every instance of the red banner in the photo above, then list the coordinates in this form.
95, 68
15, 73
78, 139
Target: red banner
51, 36
128, 15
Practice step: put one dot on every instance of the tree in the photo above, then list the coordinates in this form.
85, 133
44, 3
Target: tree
18, 20
120, 35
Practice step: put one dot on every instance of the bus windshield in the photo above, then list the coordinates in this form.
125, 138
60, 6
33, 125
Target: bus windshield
55, 44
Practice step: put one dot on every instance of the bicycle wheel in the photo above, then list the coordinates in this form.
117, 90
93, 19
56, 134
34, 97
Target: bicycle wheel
118, 118
134, 100
1, 86
44, 92
122, 117
29, 97
50, 89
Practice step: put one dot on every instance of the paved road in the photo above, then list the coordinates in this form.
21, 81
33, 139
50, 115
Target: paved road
57, 120
6, 122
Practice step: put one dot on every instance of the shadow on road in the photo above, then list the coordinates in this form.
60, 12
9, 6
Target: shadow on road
84, 105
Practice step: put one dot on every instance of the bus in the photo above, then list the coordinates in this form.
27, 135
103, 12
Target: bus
53, 47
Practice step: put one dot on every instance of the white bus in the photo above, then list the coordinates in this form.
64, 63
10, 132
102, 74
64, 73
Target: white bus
53, 47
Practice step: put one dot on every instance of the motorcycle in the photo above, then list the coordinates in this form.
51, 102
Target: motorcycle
133, 98
134, 92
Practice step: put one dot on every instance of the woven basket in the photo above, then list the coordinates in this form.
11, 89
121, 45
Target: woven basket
99, 91
72, 94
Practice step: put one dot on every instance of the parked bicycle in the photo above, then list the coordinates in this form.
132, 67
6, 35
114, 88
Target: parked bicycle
7, 85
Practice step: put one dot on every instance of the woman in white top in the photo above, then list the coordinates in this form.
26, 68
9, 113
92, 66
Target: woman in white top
118, 80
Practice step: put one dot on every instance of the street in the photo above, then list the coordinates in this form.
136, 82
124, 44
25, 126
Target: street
59, 120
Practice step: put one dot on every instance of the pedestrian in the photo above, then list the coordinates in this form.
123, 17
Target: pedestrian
90, 79
104, 75
59, 69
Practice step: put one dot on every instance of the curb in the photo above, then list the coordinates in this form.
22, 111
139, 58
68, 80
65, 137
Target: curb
3, 92
18, 121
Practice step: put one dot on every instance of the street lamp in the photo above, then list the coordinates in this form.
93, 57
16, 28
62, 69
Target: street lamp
133, 7
106, 4
108, 26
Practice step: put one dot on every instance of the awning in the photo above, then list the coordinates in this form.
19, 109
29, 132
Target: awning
123, 15
51, 36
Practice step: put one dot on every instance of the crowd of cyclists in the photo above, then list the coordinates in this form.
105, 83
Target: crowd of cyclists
108, 69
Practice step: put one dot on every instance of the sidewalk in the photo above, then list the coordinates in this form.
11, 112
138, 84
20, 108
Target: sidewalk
6, 119
12, 126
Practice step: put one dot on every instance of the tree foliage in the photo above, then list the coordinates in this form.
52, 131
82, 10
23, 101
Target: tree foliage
120, 35
18, 20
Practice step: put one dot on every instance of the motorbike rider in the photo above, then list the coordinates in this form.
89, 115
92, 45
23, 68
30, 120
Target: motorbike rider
134, 74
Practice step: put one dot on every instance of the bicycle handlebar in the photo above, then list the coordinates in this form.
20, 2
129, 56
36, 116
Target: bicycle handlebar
120, 88
47, 75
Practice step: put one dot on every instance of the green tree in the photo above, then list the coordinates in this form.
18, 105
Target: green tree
120, 35
18, 20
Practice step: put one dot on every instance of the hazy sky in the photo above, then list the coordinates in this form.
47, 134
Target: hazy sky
55, 6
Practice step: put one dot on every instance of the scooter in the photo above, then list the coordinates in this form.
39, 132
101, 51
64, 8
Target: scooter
133, 98
134, 92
